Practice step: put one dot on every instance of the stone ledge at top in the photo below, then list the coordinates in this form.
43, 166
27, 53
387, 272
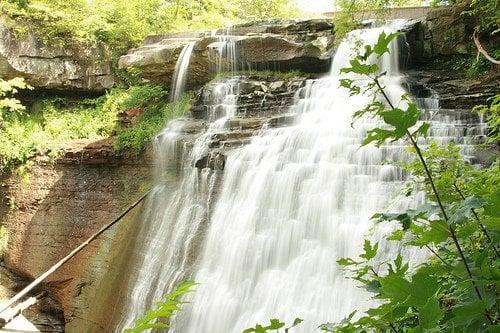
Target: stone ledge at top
78, 67
274, 45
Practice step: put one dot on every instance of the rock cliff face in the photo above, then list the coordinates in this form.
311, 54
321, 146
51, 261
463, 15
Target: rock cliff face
434, 43
444, 32
274, 45
77, 67
261, 100
57, 209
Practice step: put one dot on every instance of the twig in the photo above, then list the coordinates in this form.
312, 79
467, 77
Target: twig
18, 309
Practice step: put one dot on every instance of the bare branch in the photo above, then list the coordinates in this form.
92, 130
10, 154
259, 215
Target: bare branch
481, 50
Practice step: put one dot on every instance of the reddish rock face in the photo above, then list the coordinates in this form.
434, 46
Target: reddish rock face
61, 206
126, 118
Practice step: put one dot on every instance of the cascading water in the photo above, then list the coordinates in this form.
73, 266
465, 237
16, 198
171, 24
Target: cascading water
177, 209
292, 202
180, 73
223, 53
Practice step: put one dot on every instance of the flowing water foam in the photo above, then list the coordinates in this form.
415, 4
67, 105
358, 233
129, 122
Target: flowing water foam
177, 209
292, 202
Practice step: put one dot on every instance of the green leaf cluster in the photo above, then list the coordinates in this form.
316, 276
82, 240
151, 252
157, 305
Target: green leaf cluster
124, 24
8, 89
350, 13
51, 122
274, 325
157, 112
492, 114
164, 309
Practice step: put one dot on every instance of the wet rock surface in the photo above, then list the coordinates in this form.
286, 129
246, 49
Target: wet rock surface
455, 91
445, 32
76, 67
258, 102
255, 97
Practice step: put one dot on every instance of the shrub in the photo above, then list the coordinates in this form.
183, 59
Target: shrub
53, 121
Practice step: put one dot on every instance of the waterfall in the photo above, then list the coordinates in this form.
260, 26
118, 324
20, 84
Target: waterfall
177, 210
222, 54
180, 72
292, 202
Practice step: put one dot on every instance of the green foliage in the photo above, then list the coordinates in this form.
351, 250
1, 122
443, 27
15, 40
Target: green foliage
54, 121
275, 325
124, 24
350, 12
157, 112
19, 3
8, 89
492, 113
456, 289
164, 309
470, 66
262, 9
485, 13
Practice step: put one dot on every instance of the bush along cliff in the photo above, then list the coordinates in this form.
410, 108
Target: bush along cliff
133, 116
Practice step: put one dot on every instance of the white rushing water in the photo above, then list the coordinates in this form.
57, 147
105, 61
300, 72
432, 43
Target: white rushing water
222, 53
292, 202
176, 210
181, 71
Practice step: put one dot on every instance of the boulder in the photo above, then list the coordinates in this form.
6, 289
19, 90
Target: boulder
68, 65
450, 30
277, 52
154, 61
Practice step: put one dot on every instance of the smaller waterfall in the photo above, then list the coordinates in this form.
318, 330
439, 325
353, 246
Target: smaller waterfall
181, 71
223, 53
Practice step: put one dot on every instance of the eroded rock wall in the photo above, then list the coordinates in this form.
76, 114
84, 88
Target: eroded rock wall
67, 66
62, 205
